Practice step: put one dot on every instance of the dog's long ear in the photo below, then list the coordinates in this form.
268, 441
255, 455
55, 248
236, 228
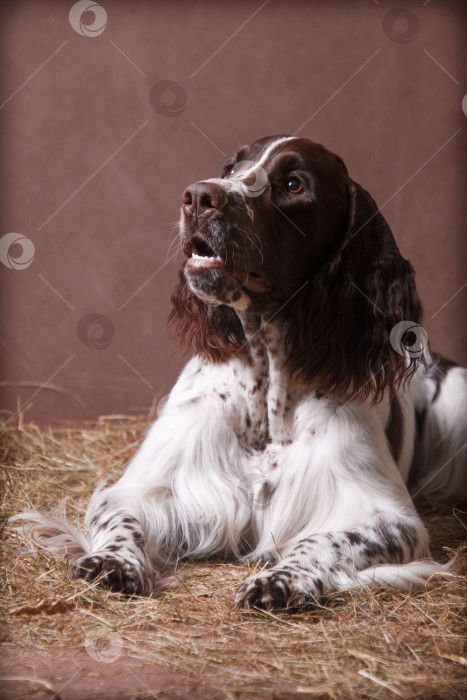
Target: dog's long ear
346, 329
214, 332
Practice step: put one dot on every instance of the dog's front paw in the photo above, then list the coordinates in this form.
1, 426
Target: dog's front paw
269, 590
277, 589
115, 573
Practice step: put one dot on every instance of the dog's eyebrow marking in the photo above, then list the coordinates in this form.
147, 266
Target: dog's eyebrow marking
267, 152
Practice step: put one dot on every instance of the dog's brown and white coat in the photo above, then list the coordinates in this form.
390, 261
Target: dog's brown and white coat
293, 434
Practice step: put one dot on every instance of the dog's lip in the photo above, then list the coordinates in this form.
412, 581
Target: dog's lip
252, 281
205, 262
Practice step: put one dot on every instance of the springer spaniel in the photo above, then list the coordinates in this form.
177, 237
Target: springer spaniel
310, 408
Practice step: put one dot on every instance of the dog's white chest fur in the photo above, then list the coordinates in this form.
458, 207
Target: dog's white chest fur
259, 402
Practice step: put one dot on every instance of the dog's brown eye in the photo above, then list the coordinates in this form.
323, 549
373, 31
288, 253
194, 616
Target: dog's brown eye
294, 186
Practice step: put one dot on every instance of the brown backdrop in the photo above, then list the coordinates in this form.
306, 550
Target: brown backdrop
97, 150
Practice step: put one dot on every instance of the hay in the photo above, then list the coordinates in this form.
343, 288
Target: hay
361, 645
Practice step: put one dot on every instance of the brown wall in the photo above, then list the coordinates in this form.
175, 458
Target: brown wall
92, 172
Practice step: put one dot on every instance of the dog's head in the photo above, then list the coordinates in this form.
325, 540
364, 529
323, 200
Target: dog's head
255, 233
284, 232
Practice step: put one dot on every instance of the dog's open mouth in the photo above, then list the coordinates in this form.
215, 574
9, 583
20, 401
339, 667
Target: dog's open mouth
202, 257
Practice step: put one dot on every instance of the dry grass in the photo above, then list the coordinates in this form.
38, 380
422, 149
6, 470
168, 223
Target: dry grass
362, 645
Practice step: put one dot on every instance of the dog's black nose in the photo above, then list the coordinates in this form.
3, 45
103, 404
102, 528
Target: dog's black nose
203, 199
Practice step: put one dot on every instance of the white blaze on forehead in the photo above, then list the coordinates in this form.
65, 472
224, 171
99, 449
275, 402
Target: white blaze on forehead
236, 183
270, 149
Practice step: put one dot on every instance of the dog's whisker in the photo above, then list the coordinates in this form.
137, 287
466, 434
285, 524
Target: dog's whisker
250, 239
175, 243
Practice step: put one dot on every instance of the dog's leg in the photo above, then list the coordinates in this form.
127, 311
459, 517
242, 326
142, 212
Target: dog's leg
177, 496
117, 549
341, 516
378, 552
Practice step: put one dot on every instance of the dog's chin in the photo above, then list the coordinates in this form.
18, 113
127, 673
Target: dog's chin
215, 286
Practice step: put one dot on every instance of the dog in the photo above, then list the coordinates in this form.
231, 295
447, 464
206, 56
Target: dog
310, 410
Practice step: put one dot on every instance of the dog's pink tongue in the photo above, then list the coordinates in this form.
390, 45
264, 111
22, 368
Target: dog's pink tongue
253, 284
